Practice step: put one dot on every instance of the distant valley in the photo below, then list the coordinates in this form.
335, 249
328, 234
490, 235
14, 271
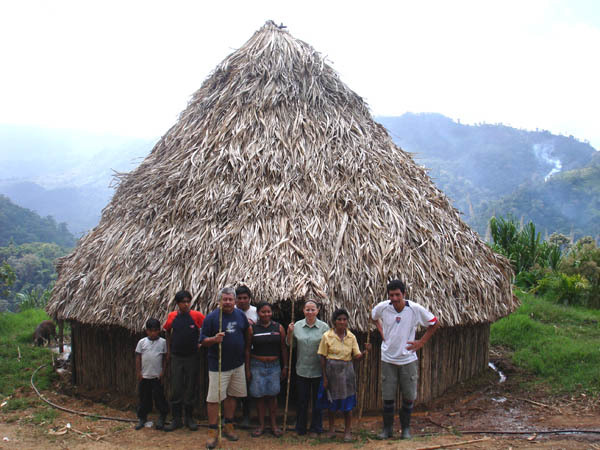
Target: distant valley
63, 173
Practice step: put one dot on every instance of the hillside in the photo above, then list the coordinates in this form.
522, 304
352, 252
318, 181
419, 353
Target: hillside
495, 169
568, 203
64, 173
20, 225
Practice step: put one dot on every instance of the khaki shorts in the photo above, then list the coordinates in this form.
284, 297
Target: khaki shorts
233, 384
406, 376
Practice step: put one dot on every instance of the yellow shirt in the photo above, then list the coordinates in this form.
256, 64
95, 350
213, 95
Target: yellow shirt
332, 347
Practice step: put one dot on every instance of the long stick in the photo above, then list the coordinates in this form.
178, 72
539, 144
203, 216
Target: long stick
220, 353
363, 378
289, 374
364, 368
455, 444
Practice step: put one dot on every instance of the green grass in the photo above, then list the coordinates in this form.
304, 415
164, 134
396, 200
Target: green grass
559, 344
16, 336
44, 415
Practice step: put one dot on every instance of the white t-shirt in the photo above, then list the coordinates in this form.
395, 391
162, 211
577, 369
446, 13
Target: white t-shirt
399, 328
251, 314
152, 356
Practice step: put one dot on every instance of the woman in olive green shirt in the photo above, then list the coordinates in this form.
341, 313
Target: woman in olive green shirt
307, 336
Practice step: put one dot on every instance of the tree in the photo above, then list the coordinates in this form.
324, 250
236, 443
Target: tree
7, 279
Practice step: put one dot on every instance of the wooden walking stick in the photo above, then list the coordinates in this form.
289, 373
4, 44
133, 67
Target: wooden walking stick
219, 387
289, 374
363, 377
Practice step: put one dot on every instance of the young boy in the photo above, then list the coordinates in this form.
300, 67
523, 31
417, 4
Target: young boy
183, 332
150, 364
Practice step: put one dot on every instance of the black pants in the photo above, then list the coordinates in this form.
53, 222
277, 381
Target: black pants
307, 389
149, 389
184, 374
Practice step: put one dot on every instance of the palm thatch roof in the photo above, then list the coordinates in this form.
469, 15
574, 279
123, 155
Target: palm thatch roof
276, 175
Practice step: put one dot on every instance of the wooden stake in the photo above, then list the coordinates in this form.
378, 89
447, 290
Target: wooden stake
219, 387
365, 364
61, 326
289, 374
363, 377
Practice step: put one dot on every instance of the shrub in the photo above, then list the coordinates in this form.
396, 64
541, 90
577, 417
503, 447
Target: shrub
523, 247
565, 289
584, 260
35, 298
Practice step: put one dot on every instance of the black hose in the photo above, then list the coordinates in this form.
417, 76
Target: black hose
62, 408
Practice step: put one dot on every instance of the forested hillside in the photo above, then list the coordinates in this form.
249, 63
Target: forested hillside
568, 203
20, 225
495, 169
29, 246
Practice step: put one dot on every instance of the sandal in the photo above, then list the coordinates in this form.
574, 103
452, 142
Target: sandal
277, 432
258, 432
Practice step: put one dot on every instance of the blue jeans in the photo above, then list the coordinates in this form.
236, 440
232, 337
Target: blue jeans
307, 389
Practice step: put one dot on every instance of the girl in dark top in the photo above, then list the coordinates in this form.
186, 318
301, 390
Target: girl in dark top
265, 350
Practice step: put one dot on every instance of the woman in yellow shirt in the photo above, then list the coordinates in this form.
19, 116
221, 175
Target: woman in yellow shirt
338, 348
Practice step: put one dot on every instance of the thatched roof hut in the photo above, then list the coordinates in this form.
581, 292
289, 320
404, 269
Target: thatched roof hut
276, 175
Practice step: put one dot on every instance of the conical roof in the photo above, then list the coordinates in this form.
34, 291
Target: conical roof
277, 176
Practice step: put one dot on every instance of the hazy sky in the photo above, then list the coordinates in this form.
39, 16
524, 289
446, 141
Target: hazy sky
129, 67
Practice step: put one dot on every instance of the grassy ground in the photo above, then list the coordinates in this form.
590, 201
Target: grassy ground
20, 358
559, 344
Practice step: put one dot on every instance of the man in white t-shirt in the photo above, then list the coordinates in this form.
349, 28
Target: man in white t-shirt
397, 320
242, 302
243, 295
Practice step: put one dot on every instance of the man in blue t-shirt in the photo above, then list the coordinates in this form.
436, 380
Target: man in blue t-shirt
231, 335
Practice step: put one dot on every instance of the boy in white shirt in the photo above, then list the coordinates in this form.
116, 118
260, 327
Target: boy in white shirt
397, 320
150, 362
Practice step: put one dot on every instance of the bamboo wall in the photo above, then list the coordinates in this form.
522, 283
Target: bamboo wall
451, 356
103, 359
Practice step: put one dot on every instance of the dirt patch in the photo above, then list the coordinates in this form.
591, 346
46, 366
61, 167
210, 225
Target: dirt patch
467, 416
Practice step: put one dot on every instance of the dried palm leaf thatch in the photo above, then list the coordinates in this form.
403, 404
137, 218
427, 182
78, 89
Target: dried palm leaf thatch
277, 176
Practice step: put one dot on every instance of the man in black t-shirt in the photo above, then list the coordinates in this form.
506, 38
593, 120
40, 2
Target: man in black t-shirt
183, 332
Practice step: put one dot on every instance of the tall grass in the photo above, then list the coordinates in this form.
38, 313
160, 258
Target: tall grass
16, 338
559, 344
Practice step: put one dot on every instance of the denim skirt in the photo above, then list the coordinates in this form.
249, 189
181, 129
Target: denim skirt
265, 379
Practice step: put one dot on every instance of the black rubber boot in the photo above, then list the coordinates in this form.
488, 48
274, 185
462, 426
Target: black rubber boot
176, 421
189, 419
140, 424
160, 423
388, 426
405, 424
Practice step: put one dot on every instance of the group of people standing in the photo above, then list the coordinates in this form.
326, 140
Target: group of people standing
248, 359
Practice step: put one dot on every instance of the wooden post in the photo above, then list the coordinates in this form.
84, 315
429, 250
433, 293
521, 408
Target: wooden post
61, 327
219, 386
289, 374
363, 377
